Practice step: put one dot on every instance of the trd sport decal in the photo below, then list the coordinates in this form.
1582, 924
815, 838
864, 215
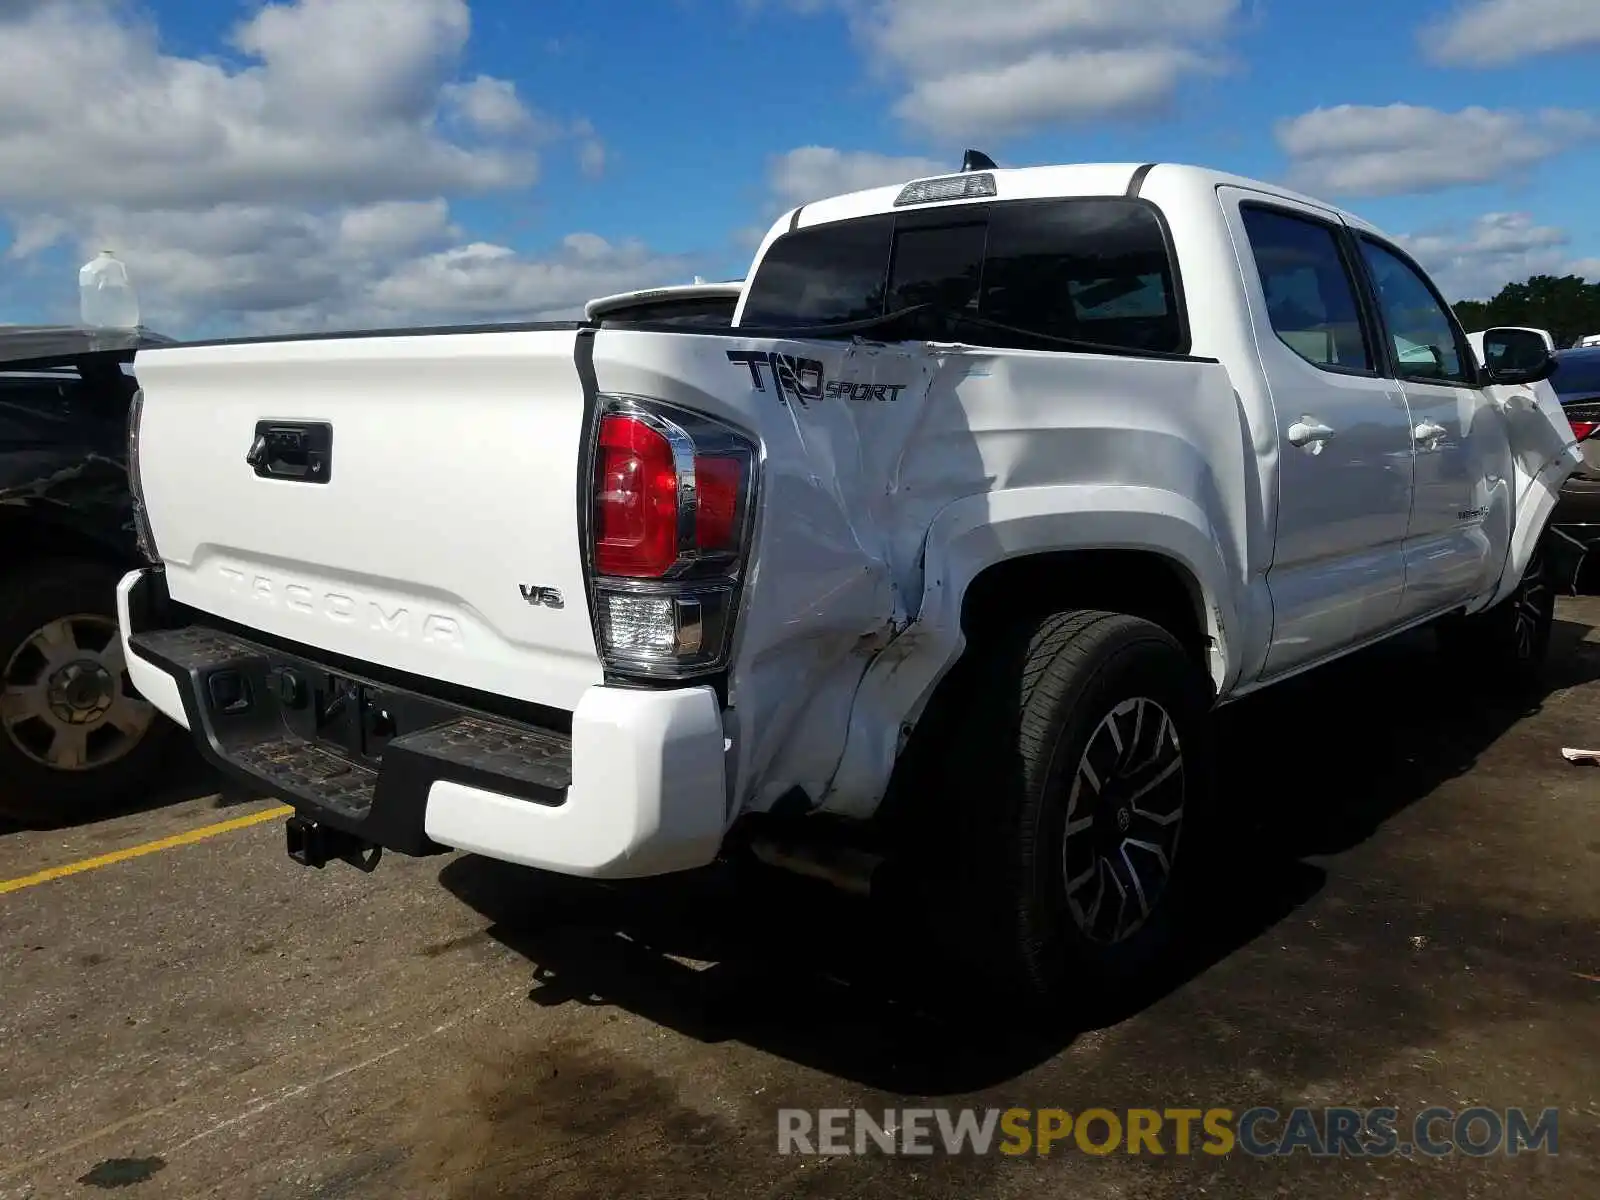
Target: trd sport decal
803, 379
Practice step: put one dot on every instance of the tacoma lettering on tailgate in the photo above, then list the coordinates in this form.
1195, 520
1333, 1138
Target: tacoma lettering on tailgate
391, 617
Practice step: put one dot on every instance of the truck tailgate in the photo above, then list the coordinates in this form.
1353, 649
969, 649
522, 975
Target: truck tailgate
437, 530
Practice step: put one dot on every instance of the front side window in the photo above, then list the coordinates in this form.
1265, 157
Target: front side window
1424, 338
1310, 294
1023, 275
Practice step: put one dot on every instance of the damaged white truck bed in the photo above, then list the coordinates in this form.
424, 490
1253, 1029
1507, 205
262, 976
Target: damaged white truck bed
995, 487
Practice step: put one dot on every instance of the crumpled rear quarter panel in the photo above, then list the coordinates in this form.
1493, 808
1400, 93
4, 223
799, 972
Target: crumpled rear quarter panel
863, 446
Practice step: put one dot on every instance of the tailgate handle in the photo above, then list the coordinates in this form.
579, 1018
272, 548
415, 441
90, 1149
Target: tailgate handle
294, 450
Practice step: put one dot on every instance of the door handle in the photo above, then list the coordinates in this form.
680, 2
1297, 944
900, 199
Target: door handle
1428, 432
297, 451
1308, 431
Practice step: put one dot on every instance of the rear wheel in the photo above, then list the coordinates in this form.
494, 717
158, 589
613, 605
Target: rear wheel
1084, 790
75, 736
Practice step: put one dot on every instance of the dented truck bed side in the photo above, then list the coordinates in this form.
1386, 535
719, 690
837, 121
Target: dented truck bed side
894, 474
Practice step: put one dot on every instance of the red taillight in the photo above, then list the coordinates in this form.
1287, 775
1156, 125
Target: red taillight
1582, 429
717, 483
636, 500
671, 502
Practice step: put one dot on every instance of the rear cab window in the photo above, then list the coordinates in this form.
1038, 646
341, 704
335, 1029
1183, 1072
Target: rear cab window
1079, 273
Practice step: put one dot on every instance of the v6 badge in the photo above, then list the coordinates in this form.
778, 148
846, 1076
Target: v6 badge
541, 597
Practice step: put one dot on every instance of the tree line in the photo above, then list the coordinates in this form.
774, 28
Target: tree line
1567, 305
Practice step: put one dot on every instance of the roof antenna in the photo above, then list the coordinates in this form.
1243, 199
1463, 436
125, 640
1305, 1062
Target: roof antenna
977, 160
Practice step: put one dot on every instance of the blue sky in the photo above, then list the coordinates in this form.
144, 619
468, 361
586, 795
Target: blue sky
316, 163
733, 89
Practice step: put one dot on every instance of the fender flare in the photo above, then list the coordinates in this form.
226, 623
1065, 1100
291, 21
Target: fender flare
971, 535
1535, 506
1545, 454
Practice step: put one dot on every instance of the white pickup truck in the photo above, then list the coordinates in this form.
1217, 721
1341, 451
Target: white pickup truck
995, 487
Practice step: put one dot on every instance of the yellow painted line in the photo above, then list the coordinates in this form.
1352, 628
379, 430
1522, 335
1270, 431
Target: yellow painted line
166, 843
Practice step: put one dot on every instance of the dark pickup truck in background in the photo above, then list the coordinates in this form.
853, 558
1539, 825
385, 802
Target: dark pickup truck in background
74, 735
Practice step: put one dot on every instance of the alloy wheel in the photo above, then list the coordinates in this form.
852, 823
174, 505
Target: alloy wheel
66, 700
1123, 821
1529, 604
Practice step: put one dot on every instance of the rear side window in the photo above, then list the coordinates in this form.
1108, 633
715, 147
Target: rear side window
1006, 275
1310, 294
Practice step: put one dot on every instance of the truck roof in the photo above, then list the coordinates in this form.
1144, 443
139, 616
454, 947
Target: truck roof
1045, 182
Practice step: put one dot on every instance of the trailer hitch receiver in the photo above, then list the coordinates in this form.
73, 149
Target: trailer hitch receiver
312, 844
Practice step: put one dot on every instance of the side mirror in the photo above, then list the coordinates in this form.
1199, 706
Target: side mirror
1516, 356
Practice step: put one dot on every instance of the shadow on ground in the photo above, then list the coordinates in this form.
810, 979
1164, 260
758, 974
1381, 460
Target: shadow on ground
183, 776
1312, 769
1317, 764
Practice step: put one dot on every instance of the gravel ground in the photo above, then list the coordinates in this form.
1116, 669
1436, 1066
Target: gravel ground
1414, 921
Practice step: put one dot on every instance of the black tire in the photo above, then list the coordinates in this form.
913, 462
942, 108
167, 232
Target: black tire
1043, 701
1507, 646
40, 784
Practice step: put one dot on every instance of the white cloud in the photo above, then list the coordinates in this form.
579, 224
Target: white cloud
301, 187
96, 112
1358, 150
810, 173
971, 70
490, 105
483, 280
1491, 33
1498, 248
263, 268
593, 157
1010, 96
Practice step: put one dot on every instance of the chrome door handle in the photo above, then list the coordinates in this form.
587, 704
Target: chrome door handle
1428, 432
1308, 431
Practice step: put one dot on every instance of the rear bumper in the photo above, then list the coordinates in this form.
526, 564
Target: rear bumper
632, 784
